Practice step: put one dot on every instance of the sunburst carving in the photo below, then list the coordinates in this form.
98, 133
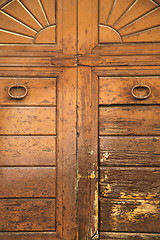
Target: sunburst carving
28, 22
129, 21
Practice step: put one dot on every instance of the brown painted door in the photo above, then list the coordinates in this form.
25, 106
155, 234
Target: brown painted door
119, 119
79, 119
37, 120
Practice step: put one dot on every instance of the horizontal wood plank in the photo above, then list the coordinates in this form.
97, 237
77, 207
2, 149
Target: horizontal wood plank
130, 215
128, 236
40, 91
27, 121
130, 182
25, 61
129, 151
27, 182
119, 90
29, 236
127, 49
137, 120
27, 151
27, 215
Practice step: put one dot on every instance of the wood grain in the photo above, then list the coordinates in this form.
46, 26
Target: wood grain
119, 90
87, 25
87, 153
40, 91
27, 182
130, 215
129, 151
29, 236
128, 236
27, 121
130, 182
138, 120
27, 151
27, 215
66, 155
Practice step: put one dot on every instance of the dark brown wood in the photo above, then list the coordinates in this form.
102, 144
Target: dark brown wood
129, 151
130, 182
138, 120
41, 91
41, 151
119, 90
27, 182
28, 121
29, 236
68, 61
27, 215
130, 215
128, 236
87, 153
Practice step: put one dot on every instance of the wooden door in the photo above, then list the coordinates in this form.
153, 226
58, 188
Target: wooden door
37, 120
118, 119
79, 119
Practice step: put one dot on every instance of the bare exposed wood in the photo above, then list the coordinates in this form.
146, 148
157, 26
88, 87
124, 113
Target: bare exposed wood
131, 182
129, 215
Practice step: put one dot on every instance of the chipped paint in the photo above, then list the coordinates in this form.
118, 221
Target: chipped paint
148, 195
120, 212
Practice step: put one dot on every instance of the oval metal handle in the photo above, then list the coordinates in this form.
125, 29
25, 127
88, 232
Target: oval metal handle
141, 97
17, 85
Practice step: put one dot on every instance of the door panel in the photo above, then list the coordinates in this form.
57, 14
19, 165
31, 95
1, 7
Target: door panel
125, 90
28, 121
27, 215
80, 152
41, 151
139, 120
39, 91
128, 159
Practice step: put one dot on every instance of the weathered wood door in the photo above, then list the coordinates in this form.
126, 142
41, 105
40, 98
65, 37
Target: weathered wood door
79, 119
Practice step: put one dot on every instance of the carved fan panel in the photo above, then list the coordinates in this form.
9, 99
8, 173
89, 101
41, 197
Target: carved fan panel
28, 22
123, 21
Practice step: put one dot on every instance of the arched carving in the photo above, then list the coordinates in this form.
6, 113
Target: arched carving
133, 20
25, 22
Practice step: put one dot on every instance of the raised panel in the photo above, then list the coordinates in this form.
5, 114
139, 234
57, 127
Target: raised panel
27, 182
118, 90
27, 121
27, 215
41, 151
131, 182
128, 120
39, 91
130, 215
129, 21
129, 151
